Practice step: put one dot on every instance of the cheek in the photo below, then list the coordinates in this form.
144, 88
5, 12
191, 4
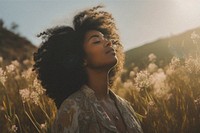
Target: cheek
96, 56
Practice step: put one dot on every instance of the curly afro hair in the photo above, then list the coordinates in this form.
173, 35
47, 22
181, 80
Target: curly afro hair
59, 59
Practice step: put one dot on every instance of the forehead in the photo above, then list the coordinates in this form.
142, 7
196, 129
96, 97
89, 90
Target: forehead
91, 33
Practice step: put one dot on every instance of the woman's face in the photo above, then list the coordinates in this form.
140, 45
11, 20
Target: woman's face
99, 51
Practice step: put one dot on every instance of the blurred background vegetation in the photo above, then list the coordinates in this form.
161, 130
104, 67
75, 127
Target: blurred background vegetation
161, 79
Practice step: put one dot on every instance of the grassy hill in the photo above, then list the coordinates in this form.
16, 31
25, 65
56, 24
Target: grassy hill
180, 45
14, 47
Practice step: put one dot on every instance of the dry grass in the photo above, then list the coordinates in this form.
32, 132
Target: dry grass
167, 100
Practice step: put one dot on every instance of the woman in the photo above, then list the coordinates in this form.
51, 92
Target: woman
78, 66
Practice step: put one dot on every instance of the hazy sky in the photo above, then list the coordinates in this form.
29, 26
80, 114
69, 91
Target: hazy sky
138, 21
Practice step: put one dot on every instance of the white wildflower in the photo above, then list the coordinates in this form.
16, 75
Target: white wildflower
192, 65
169, 71
136, 69
38, 87
142, 79
10, 68
26, 62
152, 57
194, 36
132, 74
14, 128
43, 126
174, 64
128, 84
152, 67
25, 94
197, 101
3, 76
160, 87
27, 74
15, 63
158, 80
29, 96
34, 96
160, 70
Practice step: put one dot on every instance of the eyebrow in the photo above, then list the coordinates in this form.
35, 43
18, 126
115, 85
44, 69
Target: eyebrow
93, 36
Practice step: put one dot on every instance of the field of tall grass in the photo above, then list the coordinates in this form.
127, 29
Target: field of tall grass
24, 106
167, 100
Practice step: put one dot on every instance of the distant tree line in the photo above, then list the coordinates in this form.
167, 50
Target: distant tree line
13, 27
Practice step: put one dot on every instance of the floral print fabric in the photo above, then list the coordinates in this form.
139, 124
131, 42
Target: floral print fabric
82, 113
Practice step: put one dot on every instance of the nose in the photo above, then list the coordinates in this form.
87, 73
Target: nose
108, 42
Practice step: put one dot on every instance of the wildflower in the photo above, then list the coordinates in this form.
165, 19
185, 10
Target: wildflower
14, 128
25, 94
158, 79
43, 126
2, 76
26, 62
194, 36
192, 65
197, 101
15, 63
38, 87
174, 64
27, 74
29, 96
10, 68
160, 88
128, 84
142, 79
152, 67
34, 96
132, 74
135, 69
152, 57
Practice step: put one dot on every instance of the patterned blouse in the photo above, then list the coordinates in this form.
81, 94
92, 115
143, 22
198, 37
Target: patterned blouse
82, 113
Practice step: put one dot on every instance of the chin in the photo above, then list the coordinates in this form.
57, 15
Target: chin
114, 63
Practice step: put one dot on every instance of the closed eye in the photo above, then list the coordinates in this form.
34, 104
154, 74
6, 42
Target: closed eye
96, 42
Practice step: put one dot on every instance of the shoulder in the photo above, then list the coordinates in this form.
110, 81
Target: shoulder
68, 113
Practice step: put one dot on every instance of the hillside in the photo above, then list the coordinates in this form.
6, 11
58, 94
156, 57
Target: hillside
179, 45
14, 47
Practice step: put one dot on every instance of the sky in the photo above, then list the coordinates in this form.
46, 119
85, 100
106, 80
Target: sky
138, 21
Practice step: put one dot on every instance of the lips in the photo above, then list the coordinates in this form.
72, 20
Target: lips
111, 50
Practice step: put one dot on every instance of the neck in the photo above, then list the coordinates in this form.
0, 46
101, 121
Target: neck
98, 81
